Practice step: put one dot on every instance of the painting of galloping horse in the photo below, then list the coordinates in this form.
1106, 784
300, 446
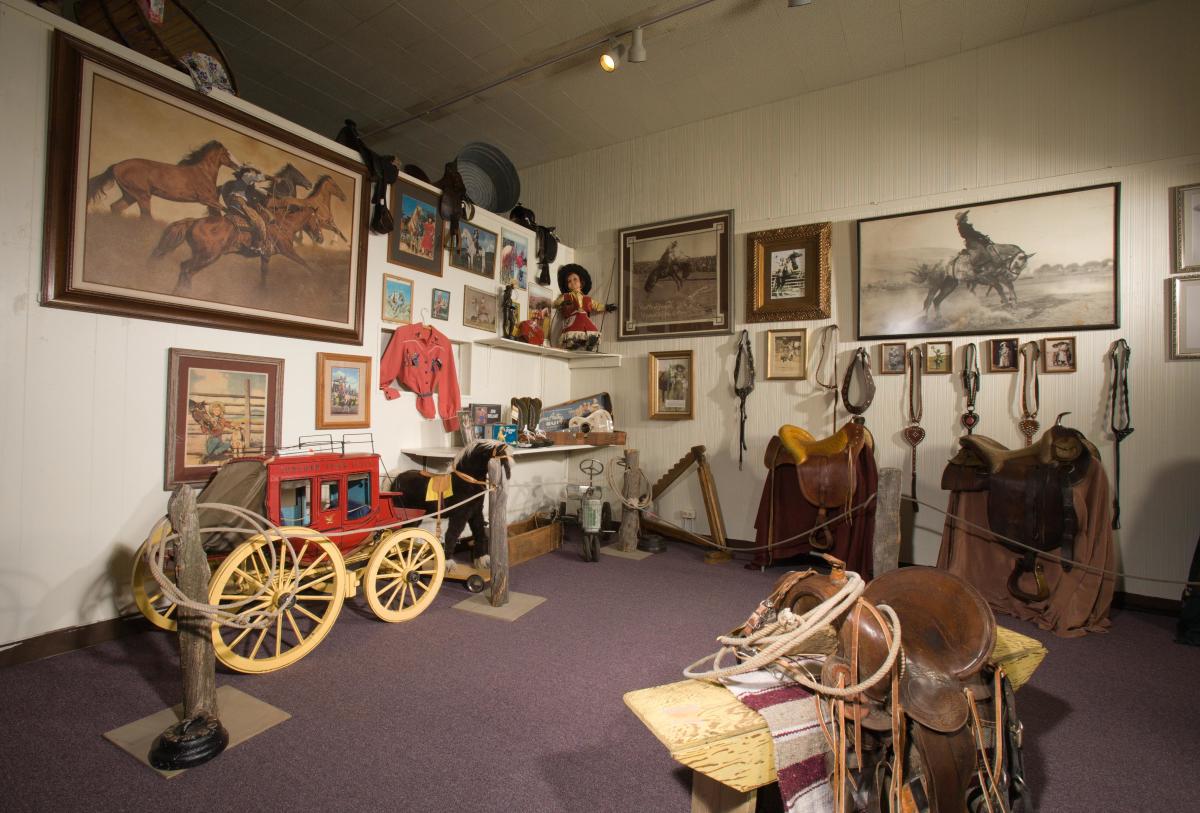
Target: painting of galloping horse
166, 204
1035, 263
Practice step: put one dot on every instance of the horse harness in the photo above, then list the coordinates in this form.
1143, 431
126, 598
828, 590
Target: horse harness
1030, 402
1030, 495
827, 351
1120, 421
913, 433
743, 385
860, 367
970, 380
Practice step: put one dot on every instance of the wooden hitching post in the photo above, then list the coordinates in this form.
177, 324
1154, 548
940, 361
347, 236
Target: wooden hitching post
886, 544
498, 532
627, 536
199, 736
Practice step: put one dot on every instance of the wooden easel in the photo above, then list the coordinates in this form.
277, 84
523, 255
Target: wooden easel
712, 507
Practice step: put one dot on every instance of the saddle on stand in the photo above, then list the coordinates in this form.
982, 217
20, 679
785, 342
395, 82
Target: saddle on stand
1030, 495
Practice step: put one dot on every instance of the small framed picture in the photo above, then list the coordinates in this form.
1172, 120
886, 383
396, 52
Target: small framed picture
891, 358
787, 354
440, 308
1186, 242
671, 386
1002, 356
939, 357
1185, 317
480, 309
1058, 354
476, 250
343, 391
514, 259
397, 300
788, 273
483, 414
416, 239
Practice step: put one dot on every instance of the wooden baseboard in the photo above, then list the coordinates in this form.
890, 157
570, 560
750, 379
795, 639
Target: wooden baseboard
1146, 604
72, 638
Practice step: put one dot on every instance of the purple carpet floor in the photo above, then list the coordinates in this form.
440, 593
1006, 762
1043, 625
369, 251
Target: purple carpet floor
458, 712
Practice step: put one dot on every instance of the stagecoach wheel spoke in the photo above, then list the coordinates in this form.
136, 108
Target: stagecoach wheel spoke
398, 555
284, 596
147, 594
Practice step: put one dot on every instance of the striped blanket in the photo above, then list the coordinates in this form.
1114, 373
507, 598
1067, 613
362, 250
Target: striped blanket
800, 747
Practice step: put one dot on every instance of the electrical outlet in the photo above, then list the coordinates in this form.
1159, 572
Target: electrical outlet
687, 513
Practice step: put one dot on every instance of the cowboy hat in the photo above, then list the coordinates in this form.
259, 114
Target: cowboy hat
585, 279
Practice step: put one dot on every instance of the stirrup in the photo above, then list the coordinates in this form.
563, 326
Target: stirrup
1043, 590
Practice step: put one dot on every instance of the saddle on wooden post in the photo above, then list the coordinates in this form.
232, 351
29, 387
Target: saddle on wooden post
824, 469
1030, 495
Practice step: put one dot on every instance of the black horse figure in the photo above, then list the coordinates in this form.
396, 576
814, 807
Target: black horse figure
468, 475
679, 271
999, 276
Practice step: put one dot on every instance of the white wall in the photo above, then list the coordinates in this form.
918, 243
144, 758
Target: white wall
1110, 98
81, 470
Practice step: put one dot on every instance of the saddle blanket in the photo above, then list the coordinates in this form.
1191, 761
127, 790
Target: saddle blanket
791, 715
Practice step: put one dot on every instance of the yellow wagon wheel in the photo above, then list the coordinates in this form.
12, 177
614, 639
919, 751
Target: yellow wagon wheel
308, 597
147, 595
404, 574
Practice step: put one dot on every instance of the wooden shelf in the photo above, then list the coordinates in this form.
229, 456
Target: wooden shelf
574, 358
449, 452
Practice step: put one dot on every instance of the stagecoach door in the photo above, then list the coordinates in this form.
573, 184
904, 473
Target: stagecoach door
360, 499
329, 503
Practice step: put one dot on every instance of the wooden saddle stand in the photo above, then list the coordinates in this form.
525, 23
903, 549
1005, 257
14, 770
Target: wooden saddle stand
717, 547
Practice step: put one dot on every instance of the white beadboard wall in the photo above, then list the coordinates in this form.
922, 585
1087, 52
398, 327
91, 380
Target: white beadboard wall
1110, 98
84, 408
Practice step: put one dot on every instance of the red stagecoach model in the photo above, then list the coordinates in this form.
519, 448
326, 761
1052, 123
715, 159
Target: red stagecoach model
329, 505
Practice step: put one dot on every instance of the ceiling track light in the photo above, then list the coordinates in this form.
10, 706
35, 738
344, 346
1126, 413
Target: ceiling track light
637, 50
610, 60
798, 3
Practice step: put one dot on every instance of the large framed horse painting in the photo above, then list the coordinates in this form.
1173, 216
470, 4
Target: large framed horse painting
163, 203
1037, 263
674, 277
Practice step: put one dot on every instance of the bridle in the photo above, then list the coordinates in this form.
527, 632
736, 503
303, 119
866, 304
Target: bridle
1120, 420
827, 352
1030, 396
970, 379
913, 433
743, 385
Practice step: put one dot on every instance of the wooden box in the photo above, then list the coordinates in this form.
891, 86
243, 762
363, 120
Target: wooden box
530, 538
588, 439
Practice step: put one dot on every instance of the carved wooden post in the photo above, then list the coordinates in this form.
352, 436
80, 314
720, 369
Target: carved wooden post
886, 554
628, 535
199, 736
498, 532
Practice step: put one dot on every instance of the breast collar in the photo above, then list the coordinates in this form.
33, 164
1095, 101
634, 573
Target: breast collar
861, 363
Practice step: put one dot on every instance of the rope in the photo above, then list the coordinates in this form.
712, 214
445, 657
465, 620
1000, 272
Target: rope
641, 503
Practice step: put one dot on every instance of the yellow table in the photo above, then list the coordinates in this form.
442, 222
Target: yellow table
727, 745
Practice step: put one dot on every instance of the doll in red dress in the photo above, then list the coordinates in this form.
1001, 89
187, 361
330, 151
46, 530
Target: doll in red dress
579, 332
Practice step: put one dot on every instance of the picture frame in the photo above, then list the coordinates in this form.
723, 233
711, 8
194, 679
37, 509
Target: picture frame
416, 239
343, 391
1037, 263
671, 387
674, 277
483, 414
1004, 355
939, 358
117, 131
1184, 317
1058, 354
541, 306
477, 250
480, 309
514, 259
397, 304
219, 406
787, 354
892, 357
1185, 245
788, 273
439, 305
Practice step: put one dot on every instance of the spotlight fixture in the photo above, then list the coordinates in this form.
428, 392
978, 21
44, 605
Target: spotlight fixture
798, 3
637, 51
610, 60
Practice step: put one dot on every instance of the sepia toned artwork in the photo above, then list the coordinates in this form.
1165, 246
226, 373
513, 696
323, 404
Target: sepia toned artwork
787, 354
514, 260
891, 358
1036, 263
165, 204
416, 239
397, 300
671, 388
343, 391
1003, 356
1058, 354
674, 277
219, 406
939, 357
480, 308
476, 250
440, 306
788, 273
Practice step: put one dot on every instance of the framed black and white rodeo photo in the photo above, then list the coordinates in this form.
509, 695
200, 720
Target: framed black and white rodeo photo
1044, 262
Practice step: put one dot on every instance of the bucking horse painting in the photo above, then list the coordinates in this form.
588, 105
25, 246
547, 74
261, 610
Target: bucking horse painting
1041, 262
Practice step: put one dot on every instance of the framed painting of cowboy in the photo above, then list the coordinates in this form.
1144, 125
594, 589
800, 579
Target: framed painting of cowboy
163, 203
1037, 263
674, 277
788, 273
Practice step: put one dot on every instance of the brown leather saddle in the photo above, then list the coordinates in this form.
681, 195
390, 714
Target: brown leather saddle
1030, 494
824, 468
947, 636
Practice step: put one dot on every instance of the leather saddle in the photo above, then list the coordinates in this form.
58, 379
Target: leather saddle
1030, 494
824, 468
